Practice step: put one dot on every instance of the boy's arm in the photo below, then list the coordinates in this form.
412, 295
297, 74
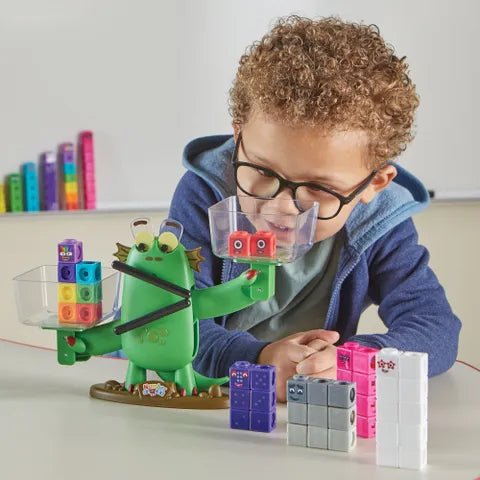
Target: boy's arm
219, 348
412, 303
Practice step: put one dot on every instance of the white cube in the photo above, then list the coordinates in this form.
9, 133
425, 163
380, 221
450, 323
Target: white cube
412, 413
387, 411
414, 391
387, 456
387, 433
412, 436
387, 362
414, 365
412, 458
387, 388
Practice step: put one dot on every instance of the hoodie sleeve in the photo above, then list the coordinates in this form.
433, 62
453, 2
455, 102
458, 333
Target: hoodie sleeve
412, 303
219, 348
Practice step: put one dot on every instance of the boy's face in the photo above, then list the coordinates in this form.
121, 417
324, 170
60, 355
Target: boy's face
336, 160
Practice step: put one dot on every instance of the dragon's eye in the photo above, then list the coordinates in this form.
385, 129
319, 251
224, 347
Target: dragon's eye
167, 242
142, 233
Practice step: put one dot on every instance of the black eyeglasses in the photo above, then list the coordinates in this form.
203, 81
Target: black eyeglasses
258, 181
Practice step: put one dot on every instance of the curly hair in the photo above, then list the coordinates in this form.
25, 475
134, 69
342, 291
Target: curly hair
331, 74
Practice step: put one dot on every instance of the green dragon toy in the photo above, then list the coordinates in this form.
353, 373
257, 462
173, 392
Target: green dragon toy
158, 328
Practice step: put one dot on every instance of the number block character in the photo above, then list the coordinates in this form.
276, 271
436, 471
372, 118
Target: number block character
345, 355
263, 244
70, 251
239, 244
240, 376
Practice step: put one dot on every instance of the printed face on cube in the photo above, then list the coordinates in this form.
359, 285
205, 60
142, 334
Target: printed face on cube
239, 377
297, 390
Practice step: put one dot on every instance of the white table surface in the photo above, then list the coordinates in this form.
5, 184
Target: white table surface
51, 429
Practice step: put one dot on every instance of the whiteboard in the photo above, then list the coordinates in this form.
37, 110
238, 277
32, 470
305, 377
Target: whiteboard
147, 76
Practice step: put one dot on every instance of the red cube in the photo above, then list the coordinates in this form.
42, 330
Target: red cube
239, 244
263, 244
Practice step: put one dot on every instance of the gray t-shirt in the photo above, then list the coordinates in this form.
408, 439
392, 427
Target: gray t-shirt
302, 296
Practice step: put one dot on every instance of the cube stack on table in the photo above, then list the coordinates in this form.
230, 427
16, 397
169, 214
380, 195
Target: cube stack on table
402, 404
321, 413
356, 363
253, 398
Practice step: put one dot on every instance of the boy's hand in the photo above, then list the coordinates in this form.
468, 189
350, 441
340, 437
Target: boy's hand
289, 352
321, 364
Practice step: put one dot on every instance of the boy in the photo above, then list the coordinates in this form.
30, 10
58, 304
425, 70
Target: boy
320, 109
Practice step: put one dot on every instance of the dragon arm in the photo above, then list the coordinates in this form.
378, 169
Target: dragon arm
241, 292
80, 346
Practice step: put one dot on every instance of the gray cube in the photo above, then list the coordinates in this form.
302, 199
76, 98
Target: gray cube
297, 413
317, 437
341, 418
342, 440
297, 389
317, 415
318, 391
341, 394
297, 435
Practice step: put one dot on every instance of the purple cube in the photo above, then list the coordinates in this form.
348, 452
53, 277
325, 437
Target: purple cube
66, 272
263, 421
88, 272
239, 399
263, 377
70, 251
240, 419
263, 401
240, 376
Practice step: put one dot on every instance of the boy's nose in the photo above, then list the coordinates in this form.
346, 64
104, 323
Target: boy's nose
284, 202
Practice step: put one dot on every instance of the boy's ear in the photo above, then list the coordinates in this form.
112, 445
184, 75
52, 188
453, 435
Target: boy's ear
381, 180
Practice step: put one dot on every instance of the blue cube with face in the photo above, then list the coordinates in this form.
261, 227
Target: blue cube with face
240, 375
263, 378
297, 389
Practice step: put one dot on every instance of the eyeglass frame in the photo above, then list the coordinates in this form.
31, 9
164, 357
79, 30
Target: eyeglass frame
293, 186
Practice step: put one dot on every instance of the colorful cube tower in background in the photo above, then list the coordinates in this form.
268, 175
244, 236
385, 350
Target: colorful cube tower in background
3, 204
402, 404
30, 187
253, 400
49, 181
14, 193
70, 185
87, 160
79, 286
321, 413
356, 363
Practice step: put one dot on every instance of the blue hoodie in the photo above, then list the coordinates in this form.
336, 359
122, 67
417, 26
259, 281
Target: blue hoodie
380, 262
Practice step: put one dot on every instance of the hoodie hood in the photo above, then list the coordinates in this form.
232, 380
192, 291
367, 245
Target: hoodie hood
210, 158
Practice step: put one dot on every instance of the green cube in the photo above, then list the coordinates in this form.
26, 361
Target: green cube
89, 293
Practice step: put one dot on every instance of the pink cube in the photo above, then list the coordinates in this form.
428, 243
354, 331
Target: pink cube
366, 384
366, 406
366, 426
344, 355
364, 360
345, 375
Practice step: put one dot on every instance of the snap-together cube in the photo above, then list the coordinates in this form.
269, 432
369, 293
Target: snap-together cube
88, 272
67, 293
70, 251
239, 244
66, 272
263, 244
89, 292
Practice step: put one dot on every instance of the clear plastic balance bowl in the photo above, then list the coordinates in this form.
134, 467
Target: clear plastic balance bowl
249, 222
36, 295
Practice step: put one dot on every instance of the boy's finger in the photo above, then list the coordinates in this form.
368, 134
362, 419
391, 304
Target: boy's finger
298, 353
318, 362
318, 345
329, 336
329, 373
